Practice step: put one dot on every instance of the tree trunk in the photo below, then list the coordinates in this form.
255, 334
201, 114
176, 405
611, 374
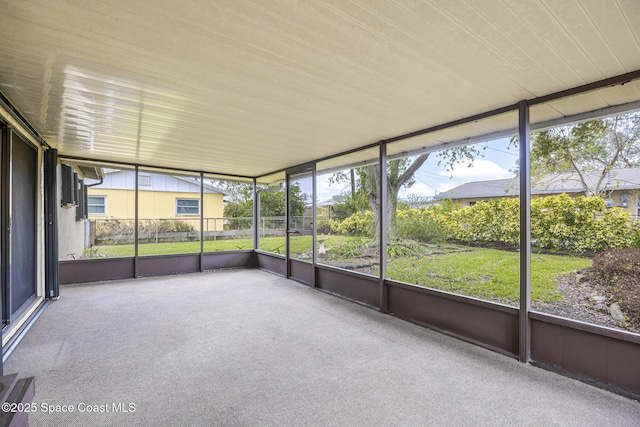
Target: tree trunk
392, 217
396, 179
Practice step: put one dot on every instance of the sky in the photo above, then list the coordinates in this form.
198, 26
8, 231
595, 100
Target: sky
495, 162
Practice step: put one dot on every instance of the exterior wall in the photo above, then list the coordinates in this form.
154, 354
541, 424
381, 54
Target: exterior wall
71, 233
120, 204
633, 202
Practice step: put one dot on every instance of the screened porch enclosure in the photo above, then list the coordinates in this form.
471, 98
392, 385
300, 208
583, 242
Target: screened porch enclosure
397, 179
488, 278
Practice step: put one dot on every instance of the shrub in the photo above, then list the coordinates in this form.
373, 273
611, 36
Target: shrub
404, 249
620, 269
358, 224
423, 225
113, 232
578, 224
635, 233
352, 248
496, 221
324, 225
558, 223
173, 226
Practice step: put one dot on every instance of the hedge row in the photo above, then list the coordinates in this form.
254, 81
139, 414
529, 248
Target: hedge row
558, 223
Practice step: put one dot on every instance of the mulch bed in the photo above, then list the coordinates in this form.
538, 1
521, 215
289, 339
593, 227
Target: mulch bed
579, 288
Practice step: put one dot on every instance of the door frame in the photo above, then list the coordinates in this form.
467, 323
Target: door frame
304, 169
10, 138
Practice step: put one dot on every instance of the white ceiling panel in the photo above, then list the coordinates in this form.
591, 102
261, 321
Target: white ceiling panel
599, 103
248, 87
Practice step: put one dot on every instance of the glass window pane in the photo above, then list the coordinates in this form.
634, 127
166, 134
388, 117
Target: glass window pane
228, 227
169, 213
453, 213
188, 206
585, 179
301, 216
346, 212
96, 209
96, 205
272, 225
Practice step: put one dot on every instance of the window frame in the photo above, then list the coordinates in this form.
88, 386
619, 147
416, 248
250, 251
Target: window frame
90, 205
179, 199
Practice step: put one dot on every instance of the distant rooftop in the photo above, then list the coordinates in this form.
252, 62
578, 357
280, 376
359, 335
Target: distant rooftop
617, 179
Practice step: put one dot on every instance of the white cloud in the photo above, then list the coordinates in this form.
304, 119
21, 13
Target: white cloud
480, 170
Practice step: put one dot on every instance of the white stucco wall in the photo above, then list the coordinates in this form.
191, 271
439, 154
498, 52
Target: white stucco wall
70, 232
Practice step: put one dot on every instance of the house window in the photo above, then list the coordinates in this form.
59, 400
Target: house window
144, 180
187, 206
97, 205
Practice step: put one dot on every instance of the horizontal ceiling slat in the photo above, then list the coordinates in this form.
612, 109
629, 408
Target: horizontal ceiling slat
580, 26
613, 27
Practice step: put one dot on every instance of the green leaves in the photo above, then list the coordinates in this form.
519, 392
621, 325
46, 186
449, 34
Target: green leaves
592, 146
358, 224
273, 203
558, 223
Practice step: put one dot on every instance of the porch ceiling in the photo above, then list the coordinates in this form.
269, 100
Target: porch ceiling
247, 87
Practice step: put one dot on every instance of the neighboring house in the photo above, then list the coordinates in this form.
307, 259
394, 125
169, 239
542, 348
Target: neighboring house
620, 188
324, 208
159, 197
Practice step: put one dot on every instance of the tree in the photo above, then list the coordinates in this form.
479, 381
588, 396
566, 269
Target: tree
400, 173
240, 201
588, 150
346, 204
273, 203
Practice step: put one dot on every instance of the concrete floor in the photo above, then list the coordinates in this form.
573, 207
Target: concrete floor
246, 347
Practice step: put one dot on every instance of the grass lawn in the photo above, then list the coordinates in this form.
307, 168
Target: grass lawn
483, 273
299, 244
486, 273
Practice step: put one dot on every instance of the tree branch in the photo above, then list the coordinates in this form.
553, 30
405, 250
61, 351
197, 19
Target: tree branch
407, 174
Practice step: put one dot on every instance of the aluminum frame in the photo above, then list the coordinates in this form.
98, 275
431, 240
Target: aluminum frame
525, 232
